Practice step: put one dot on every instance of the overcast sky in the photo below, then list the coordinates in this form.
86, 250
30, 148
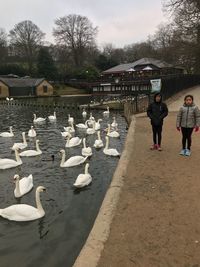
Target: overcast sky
120, 22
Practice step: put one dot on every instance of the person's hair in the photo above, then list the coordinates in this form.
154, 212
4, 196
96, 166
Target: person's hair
191, 96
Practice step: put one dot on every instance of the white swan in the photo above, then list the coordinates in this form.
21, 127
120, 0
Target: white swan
90, 120
7, 134
86, 151
113, 133
22, 186
39, 119
97, 125
31, 152
98, 142
65, 134
74, 141
106, 112
70, 128
24, 212
110, 151
73, 161
32, 132
52, 117
20, 145
91, 130
83, 179
70, 119
84, 113
10, 163
82, 125
114, 124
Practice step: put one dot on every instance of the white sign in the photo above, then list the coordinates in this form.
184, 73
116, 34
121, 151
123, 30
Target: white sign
156, 85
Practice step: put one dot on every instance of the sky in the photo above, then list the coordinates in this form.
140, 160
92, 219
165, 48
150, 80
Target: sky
119, 22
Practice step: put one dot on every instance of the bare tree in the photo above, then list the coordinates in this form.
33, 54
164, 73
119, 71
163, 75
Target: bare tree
3, 44
77, 34
26, 37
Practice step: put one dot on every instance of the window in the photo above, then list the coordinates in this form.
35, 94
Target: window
45, 88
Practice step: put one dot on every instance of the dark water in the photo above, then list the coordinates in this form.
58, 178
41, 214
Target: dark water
56, 239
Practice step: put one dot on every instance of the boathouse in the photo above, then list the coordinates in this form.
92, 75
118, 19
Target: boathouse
26, 86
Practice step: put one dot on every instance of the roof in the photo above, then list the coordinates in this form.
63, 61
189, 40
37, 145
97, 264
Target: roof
21, 82
141, 62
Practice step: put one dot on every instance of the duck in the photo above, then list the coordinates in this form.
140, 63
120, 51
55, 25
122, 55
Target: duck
114, 124
83, 179
110, 151
70, 128
98, 142
86, 151
74, 141
32, 132
10, 163
113, 133
31, 152
39, 119
24, 212
70, 119
71, 162
7, 134
20, 145
106, 112
84, 113
91, 130
23, 185
52, 117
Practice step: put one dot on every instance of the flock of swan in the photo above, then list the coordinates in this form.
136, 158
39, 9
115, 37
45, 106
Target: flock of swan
23, 212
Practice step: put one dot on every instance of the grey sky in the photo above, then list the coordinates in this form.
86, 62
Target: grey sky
119, 22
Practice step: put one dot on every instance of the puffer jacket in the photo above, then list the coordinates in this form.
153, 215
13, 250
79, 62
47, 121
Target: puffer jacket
157, 111
188, 116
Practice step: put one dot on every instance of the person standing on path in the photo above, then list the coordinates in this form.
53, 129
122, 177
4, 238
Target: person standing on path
188, 118
157, 111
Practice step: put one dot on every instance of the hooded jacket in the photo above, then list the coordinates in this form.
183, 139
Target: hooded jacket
188, 116
157, 111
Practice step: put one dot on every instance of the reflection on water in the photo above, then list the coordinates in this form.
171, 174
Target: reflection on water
56, 239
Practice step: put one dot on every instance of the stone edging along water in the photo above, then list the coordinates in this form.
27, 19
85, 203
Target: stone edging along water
91, 251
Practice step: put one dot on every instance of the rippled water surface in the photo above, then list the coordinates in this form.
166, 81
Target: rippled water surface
56, 239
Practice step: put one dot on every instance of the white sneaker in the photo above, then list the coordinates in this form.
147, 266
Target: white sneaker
187, 152
182, 153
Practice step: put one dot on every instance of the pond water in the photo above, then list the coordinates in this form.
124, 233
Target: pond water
56, 239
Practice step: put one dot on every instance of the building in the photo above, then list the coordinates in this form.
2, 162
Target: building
26, 86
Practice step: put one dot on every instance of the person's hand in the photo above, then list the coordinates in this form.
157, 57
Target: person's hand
196, 129
178, 128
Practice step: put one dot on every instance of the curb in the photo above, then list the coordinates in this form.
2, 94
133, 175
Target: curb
94, 245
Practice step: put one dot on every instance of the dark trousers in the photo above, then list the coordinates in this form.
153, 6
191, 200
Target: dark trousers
186, 137
157, 134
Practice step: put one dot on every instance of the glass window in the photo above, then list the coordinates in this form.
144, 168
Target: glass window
45, 88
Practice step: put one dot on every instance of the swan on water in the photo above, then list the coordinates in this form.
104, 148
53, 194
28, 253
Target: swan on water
110, 151
65, 134
7, 134
106, 112
98, 142
52, 117
90, 120
74, 141
113, 133
82, 125
70, 119
84, 113
83, 179
11, 163
72, 161
24, 212
114, 124
91, 130
86, 151
39, 119
32, 132
23, 185
70, 128
31, 152
20, 145
97, 125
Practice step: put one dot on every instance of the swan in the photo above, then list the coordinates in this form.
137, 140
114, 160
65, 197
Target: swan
70, 128
90, 120
83, 179
39, 119
7, 134
52, 117
70, 119
82, 125
114, 124
31, 152
91, 130
7, 98
11, 163
106, 112
65, 134
113, 133
84, 113
74, 141
24, 212
86, 151
98, 142
73, 161
32, 132
110, 151
97, 125
22, 186
20, 145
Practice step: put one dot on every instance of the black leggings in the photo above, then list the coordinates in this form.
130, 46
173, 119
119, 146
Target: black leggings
186, 137
157, 134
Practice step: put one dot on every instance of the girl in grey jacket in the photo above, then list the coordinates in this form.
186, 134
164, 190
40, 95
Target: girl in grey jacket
188, 118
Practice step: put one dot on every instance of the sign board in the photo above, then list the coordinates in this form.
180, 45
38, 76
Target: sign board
156, 85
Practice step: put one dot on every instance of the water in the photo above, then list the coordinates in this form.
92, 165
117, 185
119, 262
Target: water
56, 239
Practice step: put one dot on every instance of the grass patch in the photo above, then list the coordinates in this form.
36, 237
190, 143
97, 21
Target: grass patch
68, 90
